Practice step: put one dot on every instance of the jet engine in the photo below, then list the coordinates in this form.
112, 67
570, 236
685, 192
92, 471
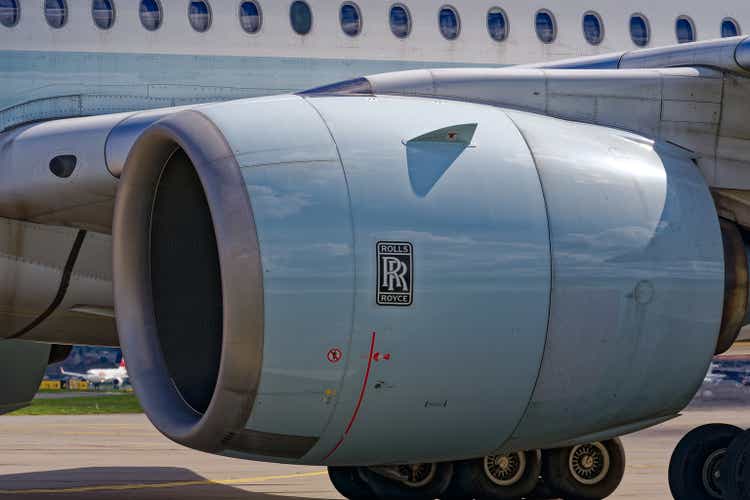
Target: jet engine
367, 280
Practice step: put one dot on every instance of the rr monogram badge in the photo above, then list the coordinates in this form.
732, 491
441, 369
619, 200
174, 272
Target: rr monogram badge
395, 273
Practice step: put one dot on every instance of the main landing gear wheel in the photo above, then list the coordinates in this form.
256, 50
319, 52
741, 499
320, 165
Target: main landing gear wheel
409, 482
736, 469
507, 476
695, 470
349, 483
585, 472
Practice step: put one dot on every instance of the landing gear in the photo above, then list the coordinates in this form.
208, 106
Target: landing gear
736, 469
507, 476
349, 483
697, 464
424, 481
585, 472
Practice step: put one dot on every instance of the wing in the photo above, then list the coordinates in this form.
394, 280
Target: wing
694, 96
74, 374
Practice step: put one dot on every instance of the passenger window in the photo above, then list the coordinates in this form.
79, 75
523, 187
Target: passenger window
449, 22
199, 14
639, 30
351, 19
151, 14
497, 24
546, 29
103, 13
10, 13
729, 27
300, 16
685, 30
400, 20
56, 13
251, 18
593, 28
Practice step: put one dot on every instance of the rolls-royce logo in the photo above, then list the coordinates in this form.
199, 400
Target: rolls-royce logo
395, 273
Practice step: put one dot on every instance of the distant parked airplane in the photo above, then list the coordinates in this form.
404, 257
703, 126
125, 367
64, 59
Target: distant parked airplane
98, 376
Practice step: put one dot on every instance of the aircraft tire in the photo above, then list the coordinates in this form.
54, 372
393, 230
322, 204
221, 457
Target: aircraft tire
456, 489
509, 476
585, 472
735, 471
429, 485
349, 483
696, 460
541, 492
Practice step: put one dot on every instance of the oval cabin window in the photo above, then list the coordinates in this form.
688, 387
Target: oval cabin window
351, 19
639, 30
199, 14
300, 16
150, 14
56, 13
250, 17
103, 13
449, 22
729, 28
685, 30
546, 30
400, 20
497, 24
10, 13
593, 28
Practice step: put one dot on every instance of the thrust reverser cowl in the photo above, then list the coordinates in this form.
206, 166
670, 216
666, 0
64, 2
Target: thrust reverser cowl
287, 235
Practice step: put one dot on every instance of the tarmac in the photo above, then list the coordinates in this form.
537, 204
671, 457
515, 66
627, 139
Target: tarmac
122, 457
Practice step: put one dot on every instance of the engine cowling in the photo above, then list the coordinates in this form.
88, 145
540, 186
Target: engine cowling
300, 279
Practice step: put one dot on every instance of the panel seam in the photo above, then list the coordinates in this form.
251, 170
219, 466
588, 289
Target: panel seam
551, 283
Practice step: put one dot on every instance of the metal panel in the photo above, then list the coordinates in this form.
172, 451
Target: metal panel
22, 366
476, 219
305, 233
629, 284
298, 192
31, 261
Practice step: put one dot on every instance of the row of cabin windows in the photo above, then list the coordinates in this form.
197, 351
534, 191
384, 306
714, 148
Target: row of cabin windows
300, 15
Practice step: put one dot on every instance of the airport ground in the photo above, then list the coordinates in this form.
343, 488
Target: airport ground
122, 457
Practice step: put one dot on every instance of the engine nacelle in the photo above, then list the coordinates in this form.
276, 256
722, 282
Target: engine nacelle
359, 280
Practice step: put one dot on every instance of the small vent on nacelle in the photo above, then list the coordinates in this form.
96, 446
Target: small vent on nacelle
63, 166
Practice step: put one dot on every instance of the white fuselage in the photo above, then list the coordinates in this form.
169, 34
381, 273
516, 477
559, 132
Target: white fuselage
102, 375
128, 67
107, 375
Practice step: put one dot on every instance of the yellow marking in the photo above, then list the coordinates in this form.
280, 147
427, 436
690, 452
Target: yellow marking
145, 486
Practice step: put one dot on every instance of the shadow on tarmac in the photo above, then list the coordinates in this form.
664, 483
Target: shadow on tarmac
139, 483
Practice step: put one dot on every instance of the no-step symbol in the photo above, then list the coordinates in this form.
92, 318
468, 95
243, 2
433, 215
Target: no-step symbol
335, 355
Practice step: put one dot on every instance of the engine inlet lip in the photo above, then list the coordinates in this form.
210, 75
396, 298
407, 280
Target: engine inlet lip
241, 281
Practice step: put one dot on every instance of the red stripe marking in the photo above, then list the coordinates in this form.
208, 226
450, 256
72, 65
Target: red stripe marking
359, 402
364, 386
341, 441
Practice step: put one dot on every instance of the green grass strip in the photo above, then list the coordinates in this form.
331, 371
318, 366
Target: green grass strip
94, 405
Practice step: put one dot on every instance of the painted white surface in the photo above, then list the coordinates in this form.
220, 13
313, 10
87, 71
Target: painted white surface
326, 39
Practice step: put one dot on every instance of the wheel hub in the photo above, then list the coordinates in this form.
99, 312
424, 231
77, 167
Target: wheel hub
712, 473
505, 470
589, 463
417, 475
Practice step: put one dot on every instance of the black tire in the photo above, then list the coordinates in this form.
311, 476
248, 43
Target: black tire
557, 473
541, 492
735, 471
457, 489
474, 478
350, 484
386, 488
686, 467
